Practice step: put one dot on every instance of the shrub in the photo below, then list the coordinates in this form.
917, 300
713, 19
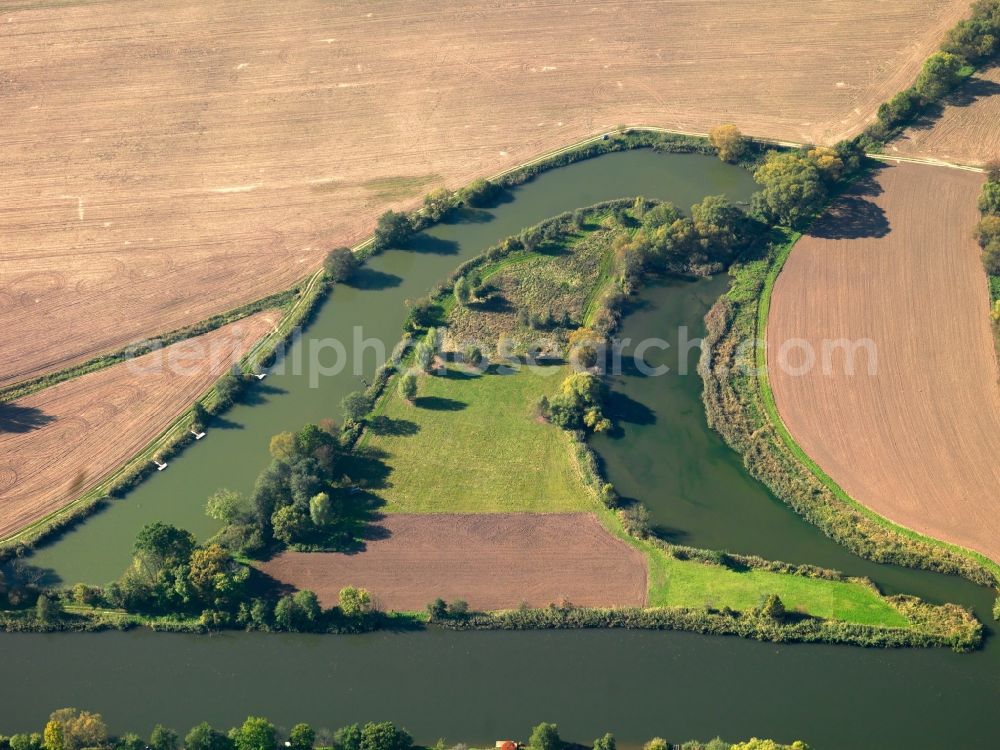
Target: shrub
989, 199
408, 386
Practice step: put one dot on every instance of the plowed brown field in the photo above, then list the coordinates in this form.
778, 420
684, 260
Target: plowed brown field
967, 131
918, 440
164, 161
493, 561
59, 442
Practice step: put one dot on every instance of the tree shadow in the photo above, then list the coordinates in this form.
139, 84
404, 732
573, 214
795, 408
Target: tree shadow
622, 409
469, 216
438, 403
669, 533
19, 419
257, 393
852, 216
365, 468
369, 279
219, 422
969, 93
383, 425
425, 243
494, 302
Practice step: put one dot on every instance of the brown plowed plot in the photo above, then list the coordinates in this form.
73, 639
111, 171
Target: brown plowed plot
59, 442
165, 160
966, 131
917, 441
492, 561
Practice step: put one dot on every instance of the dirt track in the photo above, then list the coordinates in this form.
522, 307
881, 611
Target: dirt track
59, 442
966, 130
164, 161
918, 441
493, 561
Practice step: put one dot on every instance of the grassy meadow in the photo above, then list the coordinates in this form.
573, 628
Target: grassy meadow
472, 443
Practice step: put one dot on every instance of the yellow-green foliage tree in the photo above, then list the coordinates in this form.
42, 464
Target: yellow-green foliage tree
728, 141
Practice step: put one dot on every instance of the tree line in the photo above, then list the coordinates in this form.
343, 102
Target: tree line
73, 729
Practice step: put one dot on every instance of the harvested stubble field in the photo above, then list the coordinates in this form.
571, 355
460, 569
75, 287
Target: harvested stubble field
166, 161
966, 131
60, 442
917, 441
494, 561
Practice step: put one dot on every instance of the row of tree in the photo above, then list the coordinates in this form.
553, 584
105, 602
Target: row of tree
72, 729
966, 44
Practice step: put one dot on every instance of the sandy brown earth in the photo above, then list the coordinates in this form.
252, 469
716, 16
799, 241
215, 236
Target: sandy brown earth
493, 561
967, 130
59, 442
918, 440
164, 161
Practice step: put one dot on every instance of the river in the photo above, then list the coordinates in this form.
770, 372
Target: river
483, 686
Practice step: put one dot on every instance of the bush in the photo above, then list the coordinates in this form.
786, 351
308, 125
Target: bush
989, 199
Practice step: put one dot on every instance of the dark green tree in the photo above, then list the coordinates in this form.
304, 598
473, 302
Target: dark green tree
203, 737
163, 738
257, 733
545, 737
607, 742
340, 264
356, 406
384, 736
393, 230
939, 75
347, 738
302, 737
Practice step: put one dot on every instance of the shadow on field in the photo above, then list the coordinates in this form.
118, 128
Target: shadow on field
853, 216
15, 418
383, 425
969, 93
438, 403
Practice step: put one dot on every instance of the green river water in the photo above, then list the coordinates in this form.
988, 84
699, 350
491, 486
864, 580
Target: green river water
482, 686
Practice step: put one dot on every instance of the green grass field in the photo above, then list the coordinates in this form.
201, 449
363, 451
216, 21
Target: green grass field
472, 444
678, 583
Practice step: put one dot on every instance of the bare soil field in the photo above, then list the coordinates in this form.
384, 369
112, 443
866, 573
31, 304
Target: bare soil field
966, 131
58, 443
165, 161
917, 440
494, 561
